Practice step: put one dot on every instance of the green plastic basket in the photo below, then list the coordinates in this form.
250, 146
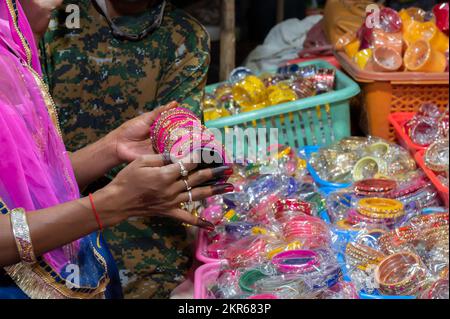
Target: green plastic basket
318, 120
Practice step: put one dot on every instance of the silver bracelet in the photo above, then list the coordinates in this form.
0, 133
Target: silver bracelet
21, 233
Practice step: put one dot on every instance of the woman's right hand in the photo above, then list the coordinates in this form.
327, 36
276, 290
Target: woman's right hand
150, 186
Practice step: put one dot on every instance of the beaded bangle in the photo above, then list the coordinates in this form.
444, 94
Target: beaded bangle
382, 206
22, 237
362, 255
400, 274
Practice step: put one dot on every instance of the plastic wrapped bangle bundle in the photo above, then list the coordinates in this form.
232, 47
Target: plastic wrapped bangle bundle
355, 218
400, 274
286, 209
438, 290
179, 132
248, 280
374, 187
238, 230
296, 261
431, 229
361, 255
380, 208
396, 240
327, 274
432, 220
246, 251
310, 231
437, 156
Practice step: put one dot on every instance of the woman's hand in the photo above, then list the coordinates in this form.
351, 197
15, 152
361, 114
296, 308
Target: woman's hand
132, 139
149, 186
123, 145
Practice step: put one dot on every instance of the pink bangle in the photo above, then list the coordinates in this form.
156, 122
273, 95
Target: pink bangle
296, 261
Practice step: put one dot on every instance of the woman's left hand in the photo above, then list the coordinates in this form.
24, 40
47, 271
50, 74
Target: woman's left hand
132, 139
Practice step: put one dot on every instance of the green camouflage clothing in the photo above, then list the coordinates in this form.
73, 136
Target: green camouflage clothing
98, 82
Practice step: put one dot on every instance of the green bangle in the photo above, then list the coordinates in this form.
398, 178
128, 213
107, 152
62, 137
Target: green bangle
249, 278
358, 169
379, 148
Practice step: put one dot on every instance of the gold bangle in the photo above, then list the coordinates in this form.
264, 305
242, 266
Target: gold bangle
21, 233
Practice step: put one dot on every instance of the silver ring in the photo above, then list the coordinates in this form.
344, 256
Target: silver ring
188, 188
183, 171
190, 197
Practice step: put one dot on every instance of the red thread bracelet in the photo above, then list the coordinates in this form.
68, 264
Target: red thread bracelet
97, 217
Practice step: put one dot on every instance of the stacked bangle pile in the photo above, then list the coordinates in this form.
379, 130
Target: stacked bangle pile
310, 231
179, 133
400, 274
374, 187
359, 255
246, 251
286, 209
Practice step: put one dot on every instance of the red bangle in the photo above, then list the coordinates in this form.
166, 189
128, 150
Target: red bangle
97, 217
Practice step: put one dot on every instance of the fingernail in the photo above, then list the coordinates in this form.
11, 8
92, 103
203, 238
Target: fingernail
222, 189
222, 171
203, 223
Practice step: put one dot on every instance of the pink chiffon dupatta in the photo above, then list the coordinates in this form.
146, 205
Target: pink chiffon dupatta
35, 170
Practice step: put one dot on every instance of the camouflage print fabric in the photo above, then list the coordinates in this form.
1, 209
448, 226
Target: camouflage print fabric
98, 82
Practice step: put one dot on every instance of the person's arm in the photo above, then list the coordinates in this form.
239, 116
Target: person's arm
57, 226
146, 187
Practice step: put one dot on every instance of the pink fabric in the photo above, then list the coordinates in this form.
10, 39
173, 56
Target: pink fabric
35, 171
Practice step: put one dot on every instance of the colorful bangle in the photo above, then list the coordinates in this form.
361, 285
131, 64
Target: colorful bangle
364, 164
22, 236
382, 207
296, 261
248, 280
245, 252
362, 255
400, 274
354, 218
375, 187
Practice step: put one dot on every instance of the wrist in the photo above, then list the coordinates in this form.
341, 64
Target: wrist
107, 206
107, 146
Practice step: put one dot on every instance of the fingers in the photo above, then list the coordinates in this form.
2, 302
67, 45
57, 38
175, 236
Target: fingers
173, 171
154, 160
201, 177
202, 193
150, 117
184, 217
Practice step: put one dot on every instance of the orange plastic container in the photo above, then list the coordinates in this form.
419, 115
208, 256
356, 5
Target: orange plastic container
398, 120
442, 190
384, 93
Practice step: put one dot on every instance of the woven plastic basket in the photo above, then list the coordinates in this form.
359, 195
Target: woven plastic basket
387, 93
317, 120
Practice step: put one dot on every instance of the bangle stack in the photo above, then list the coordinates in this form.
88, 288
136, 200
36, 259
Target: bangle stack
284, 210
361, 256
22, 236
310, 231
400, 274
179, 132
374, 187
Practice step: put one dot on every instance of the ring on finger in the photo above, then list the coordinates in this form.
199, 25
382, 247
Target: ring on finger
190, 197
188, 188
183, 171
